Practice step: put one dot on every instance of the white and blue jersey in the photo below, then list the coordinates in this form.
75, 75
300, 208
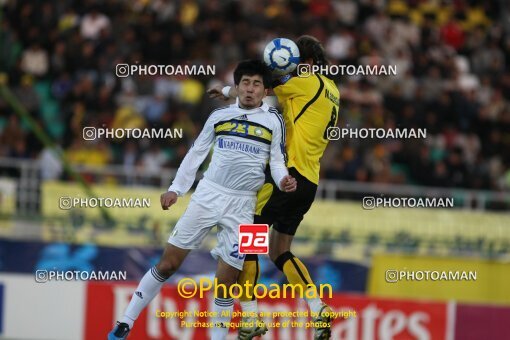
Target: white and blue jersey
244, 142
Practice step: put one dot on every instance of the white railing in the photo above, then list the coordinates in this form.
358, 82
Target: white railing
29, 180
471, 199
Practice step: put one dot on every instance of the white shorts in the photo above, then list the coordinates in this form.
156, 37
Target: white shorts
212, 205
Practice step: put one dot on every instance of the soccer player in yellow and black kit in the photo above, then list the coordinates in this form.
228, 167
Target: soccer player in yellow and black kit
310, 107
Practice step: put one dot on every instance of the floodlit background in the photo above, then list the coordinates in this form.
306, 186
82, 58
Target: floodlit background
58, 75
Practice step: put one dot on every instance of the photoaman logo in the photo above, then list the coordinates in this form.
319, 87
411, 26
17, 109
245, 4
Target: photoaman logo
253, 239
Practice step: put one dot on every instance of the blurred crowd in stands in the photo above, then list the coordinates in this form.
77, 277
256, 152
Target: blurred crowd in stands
453, 78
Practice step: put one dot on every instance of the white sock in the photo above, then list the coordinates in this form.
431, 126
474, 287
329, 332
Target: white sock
223, 309
315, 304
147, 289
251, 309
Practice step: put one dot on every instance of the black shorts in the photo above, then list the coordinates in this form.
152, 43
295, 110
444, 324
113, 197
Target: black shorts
284, 211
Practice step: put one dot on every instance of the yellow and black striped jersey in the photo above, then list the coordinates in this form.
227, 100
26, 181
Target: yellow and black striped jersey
310, 106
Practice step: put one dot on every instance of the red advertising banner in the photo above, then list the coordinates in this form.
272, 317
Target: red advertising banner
482, 322
389, 319
368, 318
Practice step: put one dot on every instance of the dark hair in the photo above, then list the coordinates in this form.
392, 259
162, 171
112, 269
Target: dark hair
311, 48
250, 68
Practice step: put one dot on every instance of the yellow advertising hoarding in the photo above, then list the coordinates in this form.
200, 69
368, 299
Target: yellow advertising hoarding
55, 195
329, 220
435, 231
7, 204
58, 216
461, 279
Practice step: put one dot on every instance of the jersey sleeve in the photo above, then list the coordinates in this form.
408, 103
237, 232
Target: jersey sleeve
278, 157
194, 158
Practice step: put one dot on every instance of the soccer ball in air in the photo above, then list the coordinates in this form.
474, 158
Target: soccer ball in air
281, 55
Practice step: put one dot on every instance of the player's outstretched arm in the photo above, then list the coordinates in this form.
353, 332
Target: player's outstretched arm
196, 155
168, 199
277, 157
222, 92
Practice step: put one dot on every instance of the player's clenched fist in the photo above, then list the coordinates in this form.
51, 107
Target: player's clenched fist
168, 199
288, 184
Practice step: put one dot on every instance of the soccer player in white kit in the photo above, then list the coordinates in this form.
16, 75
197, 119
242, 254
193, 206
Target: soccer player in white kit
246, 136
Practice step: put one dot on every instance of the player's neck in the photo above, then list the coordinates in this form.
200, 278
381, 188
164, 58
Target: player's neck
244, 107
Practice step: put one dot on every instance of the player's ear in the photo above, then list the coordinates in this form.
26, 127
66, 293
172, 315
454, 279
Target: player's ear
266, 90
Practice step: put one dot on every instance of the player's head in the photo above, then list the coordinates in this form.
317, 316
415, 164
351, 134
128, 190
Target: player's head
311, 50
252, 79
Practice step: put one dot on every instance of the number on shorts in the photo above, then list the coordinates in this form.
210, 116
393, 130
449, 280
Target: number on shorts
236, 254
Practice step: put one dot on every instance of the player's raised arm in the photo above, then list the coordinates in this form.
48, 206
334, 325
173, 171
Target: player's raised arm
222, 92
188, 169
228, 92
277, 158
